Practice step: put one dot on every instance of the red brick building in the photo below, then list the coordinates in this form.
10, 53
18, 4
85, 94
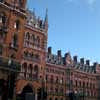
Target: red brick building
23, 38
12, 19
33, 56
79, 80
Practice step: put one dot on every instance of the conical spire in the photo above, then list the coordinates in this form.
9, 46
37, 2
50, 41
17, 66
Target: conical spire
46, 16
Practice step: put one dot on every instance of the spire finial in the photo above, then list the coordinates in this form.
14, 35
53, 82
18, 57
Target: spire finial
46, 16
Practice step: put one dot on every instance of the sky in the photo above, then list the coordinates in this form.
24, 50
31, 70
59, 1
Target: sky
74, 26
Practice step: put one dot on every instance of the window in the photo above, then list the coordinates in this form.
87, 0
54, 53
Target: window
33, 38
46, 77
24, 69
57, 80
56, 90
37, 56
1, 50
76, 83
38, 41
2, 18
30, 70
17, 25
36, 68
20, 2
51, 89
27, 35
61, 90
15, 41
51, 79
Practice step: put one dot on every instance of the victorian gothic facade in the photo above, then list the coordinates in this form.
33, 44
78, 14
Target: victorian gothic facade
40, 74
70, 79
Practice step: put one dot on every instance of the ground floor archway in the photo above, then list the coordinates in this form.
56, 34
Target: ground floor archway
27, 93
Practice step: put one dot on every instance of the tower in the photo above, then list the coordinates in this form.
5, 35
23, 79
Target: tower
12, 19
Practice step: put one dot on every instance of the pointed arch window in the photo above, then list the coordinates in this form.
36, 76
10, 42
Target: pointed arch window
30, 70
38, 41
33, 38
3, 18
15, 41
36, 71
27, 35
17, 24
24, 68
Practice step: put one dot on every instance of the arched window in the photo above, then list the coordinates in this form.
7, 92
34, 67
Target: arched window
24, 69
56, 90
36, 71
32, 55
17, 24
33, 38
15, 41
36, 68
57, 79
38, 41
30, 70
3, 18
27, 35
36, 56
25, 53
61, 90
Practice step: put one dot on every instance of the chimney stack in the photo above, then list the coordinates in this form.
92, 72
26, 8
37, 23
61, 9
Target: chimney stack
88, 62
95, 64
49, 50
82, 61
59, 52
75, 59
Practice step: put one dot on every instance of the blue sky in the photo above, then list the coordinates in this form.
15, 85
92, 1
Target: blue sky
74, 25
